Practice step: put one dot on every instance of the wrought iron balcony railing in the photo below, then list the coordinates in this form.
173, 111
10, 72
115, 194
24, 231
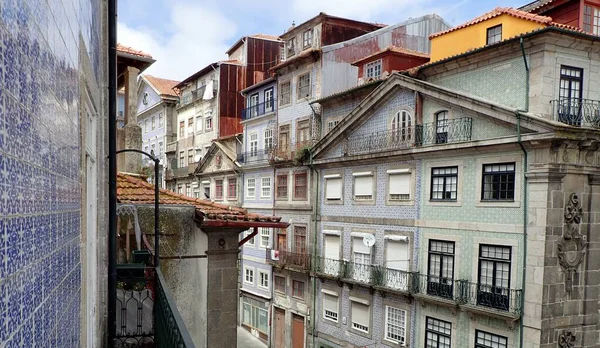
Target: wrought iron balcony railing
331, 267
434, 286
577, 112
254, 157
493, 297
170, 331
257, 110
290, 152
451, 131
289, 259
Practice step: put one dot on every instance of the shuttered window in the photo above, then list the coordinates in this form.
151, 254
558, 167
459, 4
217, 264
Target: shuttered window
399, 185
361, 269
360, 316
363, 186
396, 255
330, 307
332, 247
333, 187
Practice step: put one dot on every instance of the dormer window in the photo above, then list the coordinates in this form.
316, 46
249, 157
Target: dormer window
307, 39
290, 49
591, 19
494, 34
373, 70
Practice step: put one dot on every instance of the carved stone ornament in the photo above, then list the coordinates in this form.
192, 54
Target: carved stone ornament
218, 160
566, 339
572, 248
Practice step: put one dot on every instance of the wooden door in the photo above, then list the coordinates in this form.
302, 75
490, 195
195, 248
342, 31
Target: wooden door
279, 341
297, 331
282, 242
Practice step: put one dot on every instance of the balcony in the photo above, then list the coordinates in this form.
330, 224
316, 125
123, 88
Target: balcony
577, 112
171, 147
196, 94
453, 131
290, 153
256, 157
258, 110
289, 260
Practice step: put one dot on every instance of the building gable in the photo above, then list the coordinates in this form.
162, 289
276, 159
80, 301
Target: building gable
147, 97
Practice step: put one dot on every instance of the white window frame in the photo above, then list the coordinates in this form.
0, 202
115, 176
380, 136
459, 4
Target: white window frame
264, 232
411, 185
253, 144
266, 187
209, 123
374, 69
161, 120
365, 174
287, 100
249, 271
262, 277
308, 86
386, 325
248, 188
153, 122
331, 124
329, 180
337, 312
356, 325
268, 138
198, 124
251, 241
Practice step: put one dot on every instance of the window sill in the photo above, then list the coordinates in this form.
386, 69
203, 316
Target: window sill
334, 201
364, 201
298, 298
450, 203
406, 202
358, 332
498, 203
330, 321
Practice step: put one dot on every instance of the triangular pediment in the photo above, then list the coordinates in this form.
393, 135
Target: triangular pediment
218, 158
147, 96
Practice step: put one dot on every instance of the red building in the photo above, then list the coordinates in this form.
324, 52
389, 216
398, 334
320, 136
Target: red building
584, 14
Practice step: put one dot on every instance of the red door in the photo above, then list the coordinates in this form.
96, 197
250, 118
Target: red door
279, 328
297, 331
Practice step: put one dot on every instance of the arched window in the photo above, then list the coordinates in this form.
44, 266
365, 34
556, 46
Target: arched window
402, 125
441, 127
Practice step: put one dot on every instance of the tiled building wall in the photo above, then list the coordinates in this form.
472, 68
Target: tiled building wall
381, 120
259, 128
258, 202
40, 153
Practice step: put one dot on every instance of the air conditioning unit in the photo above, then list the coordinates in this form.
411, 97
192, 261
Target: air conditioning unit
274, 254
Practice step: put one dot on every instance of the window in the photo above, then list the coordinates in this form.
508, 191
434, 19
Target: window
399, 181
219, 189
146, 148
198, 123
331, 125
304, 86
198, 155
591, 19
153, 122
437, 333
268, 139
209, 124
307, 38
269, 100
570, 95
494, 276
441, 127
300, 189
330, 307
250, 187
263, 279
440, 268
284, 138
373, 69
251, 241
363, 186
401, 126
360, 316
298, 289
395, 325
161, 120
153, 149
290, 47
498, 181
180, 189
494, 34
333, 187
303, 132
255, 314
444, 183
161, 148
397, 257
181, 159
206, 190
487, 340
361, 256
282, 186
265, 237
253, 105
231, 188
196, 191
280, 284
146, 126
265, 187
253, 144
285, 93
300, 239
332, 252
188, 190
181, 129
190, 156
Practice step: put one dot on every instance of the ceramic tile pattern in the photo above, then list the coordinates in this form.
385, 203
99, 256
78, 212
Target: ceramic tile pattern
40, 193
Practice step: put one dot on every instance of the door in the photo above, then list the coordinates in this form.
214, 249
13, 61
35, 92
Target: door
297, 331
279, 341
396, 263
281, 242
331, 263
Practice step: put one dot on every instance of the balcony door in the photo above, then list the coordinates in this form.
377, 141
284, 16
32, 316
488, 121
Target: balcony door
494, 276
570, 95
331, 263
300, 246
440, 273
361, 257
254, 105
283, 141
282, 241
396, 264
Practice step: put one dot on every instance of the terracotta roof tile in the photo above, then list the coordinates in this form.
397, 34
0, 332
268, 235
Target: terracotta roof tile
165, 87
498, 11
132, 51
266, 37
396, 49
532, 6
133, 190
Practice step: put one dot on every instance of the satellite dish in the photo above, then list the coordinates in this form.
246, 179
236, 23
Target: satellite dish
369, 240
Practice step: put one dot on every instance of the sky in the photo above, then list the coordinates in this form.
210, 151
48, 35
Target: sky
186, 35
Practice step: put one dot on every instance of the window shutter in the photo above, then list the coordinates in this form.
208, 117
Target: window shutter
359, 247
330, 303
363, 186
400, 184
360, 314
333, 188
396, 255
332, 247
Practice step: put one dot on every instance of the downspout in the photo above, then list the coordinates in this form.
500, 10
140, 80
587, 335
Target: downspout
525, 166
314, 260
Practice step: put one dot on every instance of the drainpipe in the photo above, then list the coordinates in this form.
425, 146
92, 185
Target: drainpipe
316, 214
525, 166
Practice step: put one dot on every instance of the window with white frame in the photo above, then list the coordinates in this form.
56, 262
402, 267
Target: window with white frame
188, 190
161, 120
269, 99
333, 187
265, 236
190, 126
250, 187
395, 325
146, 126
248, 276
263, 279
180, 189
160, 148
361, 256
268, 139
251, 241
330, 307
373, 69
331, 125
307, 38
361, 315
402, 126
285, 93
397, 262
181, 159
304, 86
265, 187
198, 123
219, 189
208, 122
399, 181
363, 186
153, 122
253, 144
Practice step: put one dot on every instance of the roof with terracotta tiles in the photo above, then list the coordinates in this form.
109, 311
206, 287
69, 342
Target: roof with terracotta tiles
134, 190
129, 50
324, 15
534, 5
394, 49
163, 86
498, 11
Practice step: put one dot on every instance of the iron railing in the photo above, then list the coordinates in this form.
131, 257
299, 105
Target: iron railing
291, 152
332, 267
493, 297
451, 131
289, 259
374, 275
258, 109
254, 157
577, 112
434, 286
169, 327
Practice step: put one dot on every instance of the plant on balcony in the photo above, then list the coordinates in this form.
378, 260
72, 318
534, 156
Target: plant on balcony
302, 154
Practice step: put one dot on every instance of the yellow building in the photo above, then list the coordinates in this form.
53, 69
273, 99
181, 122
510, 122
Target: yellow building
499, 24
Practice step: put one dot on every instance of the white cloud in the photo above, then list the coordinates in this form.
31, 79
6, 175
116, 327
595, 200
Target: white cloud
192, 37
365, 10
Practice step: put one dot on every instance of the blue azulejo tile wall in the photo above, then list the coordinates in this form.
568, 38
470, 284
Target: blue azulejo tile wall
40, 191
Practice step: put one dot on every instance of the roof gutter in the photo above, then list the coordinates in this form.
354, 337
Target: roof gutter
122, 54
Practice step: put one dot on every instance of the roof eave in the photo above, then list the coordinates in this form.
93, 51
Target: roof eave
242, 224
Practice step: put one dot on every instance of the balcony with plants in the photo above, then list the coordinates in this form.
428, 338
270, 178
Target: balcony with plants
295, 153
283, 259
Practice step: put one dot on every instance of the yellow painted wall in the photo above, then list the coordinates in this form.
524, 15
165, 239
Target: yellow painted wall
474, 36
